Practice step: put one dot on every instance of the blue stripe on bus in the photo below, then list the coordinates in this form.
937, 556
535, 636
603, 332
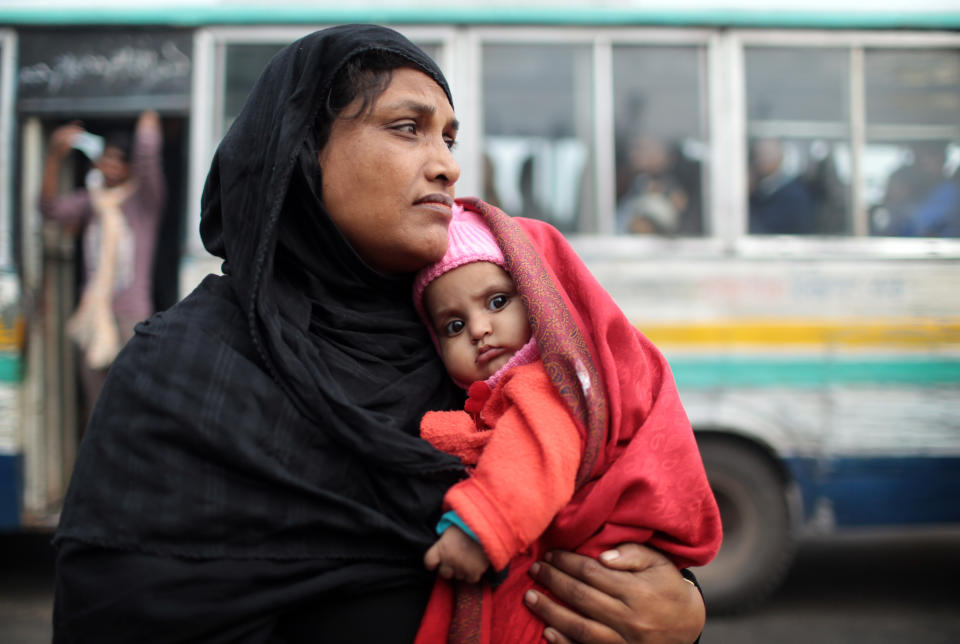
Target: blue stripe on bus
712, 373
11, 488
879, 491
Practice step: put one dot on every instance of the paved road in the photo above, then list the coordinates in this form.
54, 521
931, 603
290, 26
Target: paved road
893, 588
889, 588
26, 588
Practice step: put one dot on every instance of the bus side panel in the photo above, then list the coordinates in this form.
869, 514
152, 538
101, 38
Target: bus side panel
11, 389
11, 490
893, 491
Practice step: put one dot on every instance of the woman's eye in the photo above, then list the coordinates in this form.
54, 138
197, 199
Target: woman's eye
406, 128
451, 143
454, 327
497, 302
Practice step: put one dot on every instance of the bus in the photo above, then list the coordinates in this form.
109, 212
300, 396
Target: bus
772, 197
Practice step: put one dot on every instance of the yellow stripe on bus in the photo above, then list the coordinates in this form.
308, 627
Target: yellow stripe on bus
909, 332
12, 337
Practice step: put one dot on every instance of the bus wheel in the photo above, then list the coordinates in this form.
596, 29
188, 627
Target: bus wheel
758, 544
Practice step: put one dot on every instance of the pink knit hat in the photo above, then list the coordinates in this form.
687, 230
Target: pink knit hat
470, 240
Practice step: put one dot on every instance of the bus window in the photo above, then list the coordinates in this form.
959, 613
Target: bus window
799, 140
910, 169
538, 131
661, 139
243, 63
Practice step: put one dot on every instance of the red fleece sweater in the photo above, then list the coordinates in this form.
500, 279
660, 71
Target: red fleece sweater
524, 470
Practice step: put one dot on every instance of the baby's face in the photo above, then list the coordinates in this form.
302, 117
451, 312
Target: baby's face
479, 319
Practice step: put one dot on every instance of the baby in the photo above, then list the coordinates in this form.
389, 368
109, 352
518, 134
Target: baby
481, 328
524, 446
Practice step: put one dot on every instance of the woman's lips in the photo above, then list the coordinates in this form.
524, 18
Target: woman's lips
437, 201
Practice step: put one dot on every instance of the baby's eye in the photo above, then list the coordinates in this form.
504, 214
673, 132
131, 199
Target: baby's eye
499, 301
453, 327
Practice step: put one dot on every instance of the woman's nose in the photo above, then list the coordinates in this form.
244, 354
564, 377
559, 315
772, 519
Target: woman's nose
443, 166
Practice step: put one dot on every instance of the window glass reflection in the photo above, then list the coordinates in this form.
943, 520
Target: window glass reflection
661, 139
538, 123
910, 169
243, 64
799, 140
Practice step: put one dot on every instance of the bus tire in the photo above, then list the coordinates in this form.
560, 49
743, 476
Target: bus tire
758, 542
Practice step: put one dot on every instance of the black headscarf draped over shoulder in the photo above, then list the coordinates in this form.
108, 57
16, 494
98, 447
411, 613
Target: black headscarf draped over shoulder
274, 413
264, 185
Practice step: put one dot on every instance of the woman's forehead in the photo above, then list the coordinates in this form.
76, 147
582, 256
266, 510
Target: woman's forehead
410, 82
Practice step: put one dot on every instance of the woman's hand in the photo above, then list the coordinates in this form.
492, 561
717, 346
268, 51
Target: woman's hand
630, 595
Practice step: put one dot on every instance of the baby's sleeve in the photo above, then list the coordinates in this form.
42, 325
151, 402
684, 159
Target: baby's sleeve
527, 470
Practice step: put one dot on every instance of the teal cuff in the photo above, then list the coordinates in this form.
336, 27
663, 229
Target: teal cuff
451, 518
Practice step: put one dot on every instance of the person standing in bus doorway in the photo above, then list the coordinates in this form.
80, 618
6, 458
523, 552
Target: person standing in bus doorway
118, 214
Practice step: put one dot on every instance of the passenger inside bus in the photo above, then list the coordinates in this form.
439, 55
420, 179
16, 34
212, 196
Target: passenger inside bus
922, 198
656, 201
780, 199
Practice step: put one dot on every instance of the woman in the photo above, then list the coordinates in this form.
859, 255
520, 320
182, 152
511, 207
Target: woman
252, 471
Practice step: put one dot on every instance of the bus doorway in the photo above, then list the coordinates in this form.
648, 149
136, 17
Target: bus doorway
54, 254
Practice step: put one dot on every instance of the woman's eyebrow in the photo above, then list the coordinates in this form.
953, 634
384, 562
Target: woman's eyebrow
421, 109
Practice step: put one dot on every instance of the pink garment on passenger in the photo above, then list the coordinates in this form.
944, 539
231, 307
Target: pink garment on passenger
143, 210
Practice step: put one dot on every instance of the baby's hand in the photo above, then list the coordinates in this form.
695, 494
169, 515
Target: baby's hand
457, 556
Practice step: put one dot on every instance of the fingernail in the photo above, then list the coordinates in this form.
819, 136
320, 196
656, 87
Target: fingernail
610, 555
530, 597
549, 635
535, 568
548, 557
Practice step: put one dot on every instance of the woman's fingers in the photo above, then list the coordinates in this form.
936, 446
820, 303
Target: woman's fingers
606, 579
564, 626
633, 557
644, 601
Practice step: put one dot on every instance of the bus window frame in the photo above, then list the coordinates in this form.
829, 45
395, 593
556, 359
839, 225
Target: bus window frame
601, 42
460, 53
860, 243
8, 77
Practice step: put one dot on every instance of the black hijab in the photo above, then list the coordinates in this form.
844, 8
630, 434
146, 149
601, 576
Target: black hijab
337, 336
274, 413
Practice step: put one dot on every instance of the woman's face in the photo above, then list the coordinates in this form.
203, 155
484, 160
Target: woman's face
388, 174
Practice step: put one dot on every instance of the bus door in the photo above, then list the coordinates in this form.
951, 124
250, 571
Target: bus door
11, 310
58, 84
